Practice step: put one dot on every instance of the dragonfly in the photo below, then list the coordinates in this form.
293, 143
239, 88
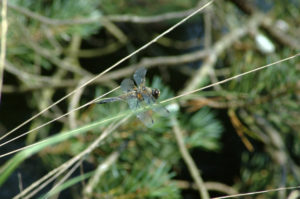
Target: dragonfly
139, 97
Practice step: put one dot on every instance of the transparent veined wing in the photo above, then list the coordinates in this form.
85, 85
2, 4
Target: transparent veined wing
146, 118
127, 85
136, 105
139, 76
151, 101
161, 110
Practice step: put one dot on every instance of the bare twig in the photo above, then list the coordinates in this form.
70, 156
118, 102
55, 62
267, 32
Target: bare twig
116, 74
20, 182
256, 192
219, 48
60, 22
49, 21
220, 187
240, 129
211, 186
232, 101
276, 149
164, 101
280, 36
73, 104
64, 64
189, 161
294, 194
230, 78
3, 41
97, 52
178, 44
208, 43
41, 126
101, 169
25, 76
113, 18
268, 25
151, 19
72, 58
59, 170
68, 174
110, 68
114, 30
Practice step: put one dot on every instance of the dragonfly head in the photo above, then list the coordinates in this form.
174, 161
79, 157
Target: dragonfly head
155, 93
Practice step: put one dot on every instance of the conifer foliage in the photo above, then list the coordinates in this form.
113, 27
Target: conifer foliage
240, 136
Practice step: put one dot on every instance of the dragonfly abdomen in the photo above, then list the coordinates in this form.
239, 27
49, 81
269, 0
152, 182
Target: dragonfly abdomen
108, 100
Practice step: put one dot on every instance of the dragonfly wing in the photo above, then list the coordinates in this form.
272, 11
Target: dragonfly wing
127, 85
135, 105
150, 100
139, 76
146, 118
161, 110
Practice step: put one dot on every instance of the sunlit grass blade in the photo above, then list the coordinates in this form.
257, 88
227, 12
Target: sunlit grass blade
14, 162
68, 184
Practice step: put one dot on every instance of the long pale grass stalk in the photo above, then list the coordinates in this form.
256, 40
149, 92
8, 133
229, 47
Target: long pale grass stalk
4, 26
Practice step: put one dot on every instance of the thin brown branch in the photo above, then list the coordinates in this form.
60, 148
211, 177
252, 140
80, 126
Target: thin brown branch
218, 48
62, 180
276, 148
45, 124
61, 169
151, 19
211, 186
49, 55
74, 102
189, 161
4, 26
268, 24
240, 129
97, 52
114, 30
120, 73
20, 181
60, 22
113, 18
111, 67
49, 21
281, 37
101, 169
230, 101
25, 76
243, 195
178, 44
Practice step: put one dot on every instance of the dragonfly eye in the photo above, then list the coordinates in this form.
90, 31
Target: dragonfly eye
155, 93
